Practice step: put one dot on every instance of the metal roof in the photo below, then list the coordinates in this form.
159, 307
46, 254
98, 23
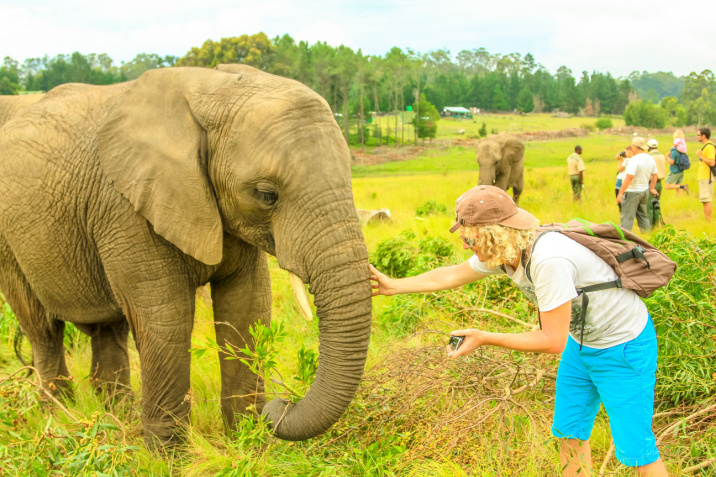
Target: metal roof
456, 109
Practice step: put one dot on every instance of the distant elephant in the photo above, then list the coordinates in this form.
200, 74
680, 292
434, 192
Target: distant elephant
501, 159
117, 201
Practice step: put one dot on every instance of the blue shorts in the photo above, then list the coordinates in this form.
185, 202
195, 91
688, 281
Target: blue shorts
623, 378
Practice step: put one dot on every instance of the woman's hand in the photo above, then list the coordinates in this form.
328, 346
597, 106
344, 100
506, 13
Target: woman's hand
382, 285
473, 340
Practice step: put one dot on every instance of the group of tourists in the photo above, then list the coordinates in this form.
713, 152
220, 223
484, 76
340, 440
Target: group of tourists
643, 173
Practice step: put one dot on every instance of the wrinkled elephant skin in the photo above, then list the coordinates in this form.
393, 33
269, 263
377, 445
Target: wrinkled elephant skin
501, 162
117, 202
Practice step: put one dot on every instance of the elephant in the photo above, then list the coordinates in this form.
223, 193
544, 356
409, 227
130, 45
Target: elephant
11, 104
501, 159
117, 202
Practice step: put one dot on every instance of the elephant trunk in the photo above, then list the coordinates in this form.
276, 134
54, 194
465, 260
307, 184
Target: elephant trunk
486, 175
339, 279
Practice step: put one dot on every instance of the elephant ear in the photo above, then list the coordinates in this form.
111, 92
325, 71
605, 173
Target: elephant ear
154, 151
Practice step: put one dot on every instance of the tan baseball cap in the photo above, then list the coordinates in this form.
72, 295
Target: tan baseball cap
639, 143
652, 143
489, 205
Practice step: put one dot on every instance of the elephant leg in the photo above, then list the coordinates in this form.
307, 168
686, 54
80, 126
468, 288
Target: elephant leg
516, 195
110, 359
240, 300
163, 337
43, 330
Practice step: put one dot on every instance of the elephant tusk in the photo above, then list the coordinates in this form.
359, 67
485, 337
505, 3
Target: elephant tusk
299, 293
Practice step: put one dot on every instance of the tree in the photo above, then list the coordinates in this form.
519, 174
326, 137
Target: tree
427, 122
253, 50
641, 113
525, 103
483, 130
499, 100
675, 113
700, 111
9, 77
144, 62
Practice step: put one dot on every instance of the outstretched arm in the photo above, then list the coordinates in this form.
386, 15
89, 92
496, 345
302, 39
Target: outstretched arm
552, 338
444, 278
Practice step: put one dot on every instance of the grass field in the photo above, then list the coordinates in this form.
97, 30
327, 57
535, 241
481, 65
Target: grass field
450, 127
396, 424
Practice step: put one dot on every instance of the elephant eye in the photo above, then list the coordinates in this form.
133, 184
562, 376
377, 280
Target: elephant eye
267, 197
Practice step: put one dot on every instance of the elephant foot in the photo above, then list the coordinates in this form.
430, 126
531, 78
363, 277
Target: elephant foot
161, 438
61, 388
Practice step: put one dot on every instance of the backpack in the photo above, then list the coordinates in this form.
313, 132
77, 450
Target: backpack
683, 162
713, 168
639, 265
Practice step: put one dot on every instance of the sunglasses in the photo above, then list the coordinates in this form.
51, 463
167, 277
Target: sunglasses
469, 241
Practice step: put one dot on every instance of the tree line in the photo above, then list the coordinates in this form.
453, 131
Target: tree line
355, 84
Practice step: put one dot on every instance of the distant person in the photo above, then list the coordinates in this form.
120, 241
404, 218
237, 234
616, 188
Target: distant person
676, 174
622, 160
640, 179
575, 167
653, 206
707, 156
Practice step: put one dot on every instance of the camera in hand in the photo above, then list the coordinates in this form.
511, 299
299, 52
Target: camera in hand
455, 342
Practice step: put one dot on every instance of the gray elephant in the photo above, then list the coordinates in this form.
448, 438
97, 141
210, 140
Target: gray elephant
501, 159
117, 201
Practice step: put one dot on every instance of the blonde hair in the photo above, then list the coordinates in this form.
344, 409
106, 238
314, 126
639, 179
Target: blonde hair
498, 244
679, 134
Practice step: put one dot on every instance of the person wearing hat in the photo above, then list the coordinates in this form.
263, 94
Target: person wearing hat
616, 363
653, 207
640, 179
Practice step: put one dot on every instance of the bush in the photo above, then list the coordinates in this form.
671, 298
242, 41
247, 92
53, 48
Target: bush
430, 208
640, 113
604, 123
683, 313
483, 130
406, 255
588, 126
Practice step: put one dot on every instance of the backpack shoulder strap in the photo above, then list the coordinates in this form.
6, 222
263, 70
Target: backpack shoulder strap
528, 266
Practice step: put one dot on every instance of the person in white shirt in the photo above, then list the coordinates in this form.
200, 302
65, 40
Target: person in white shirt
640, 179
609, 353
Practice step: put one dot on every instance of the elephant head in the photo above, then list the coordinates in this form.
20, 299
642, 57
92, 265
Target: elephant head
501, 163
203, 153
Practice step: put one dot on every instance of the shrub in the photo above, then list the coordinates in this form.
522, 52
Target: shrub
483, 130
588, 126
641, 113
430, 208
604, 123
683, 314
406, 255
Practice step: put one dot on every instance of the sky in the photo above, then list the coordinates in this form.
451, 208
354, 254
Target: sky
619, 36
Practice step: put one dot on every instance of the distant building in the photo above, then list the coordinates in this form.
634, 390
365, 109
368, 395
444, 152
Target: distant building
456, 112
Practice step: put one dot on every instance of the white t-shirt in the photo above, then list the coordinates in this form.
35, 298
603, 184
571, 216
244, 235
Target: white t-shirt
641, 166
559, 266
